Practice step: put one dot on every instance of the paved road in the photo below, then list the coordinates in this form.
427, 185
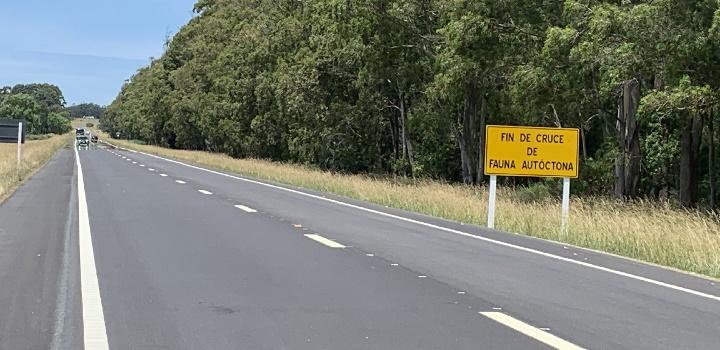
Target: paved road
190, 259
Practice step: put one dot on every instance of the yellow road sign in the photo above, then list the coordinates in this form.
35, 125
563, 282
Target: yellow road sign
531, 151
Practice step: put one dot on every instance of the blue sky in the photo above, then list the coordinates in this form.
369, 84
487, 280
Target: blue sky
87, 47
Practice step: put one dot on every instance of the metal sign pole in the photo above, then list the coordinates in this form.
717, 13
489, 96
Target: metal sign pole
19, 143
491, 201
565, 204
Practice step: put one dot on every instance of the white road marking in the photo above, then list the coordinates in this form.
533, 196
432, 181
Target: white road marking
422, 276
180, 182
369, 254
94, 331
151, 169
205, 192
449, 230
245, 209
532, 332
142, 165
134, 162
163, 175
394, 264
325, 241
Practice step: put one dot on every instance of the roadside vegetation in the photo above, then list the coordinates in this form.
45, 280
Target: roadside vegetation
650, 231
35, 154
41, 106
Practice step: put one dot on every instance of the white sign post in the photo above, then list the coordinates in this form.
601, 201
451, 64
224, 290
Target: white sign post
565, 204
491, 201
19, 143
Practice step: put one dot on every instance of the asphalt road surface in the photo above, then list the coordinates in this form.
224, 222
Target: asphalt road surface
122, 250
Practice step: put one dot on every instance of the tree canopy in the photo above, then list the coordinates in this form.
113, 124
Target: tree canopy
40, 105
85, 110
406, 86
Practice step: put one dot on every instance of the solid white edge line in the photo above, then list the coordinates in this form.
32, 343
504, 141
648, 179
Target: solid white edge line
205, 192
325, 241
245, 209
530, 331
94, 331
460, 233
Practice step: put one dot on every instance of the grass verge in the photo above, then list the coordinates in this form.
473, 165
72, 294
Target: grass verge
652, 232
35, 154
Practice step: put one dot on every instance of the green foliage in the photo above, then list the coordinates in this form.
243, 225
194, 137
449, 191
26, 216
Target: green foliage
40, 105
58, 123
85, 110
536, 192
23, 106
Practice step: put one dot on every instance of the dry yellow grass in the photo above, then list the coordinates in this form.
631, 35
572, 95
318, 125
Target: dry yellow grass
34, 155
651, 232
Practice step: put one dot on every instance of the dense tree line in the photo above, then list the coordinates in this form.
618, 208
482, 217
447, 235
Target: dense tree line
42, 106
86, 110
407, 86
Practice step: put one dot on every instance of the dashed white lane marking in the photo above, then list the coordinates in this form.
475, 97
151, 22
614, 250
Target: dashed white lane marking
142, 165
325, 241
163, 175
180, 182
134, 162
394, 264
205, 192
449, 230
369, 254
94, 331
422, 276
151, 169
530, 331
245, 209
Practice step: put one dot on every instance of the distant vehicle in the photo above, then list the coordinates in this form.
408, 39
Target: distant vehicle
80, 131
83, 142
94, 138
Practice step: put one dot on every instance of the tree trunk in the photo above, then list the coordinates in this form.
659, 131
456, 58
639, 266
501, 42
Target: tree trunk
689, 154
584, 142
627, 164
468, 134
711, 160
394, 127
466, 177
481, 139
407, 150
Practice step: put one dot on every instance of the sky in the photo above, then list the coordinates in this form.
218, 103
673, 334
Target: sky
86, 47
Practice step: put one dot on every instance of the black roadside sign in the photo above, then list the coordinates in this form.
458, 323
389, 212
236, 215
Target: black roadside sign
9, 130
